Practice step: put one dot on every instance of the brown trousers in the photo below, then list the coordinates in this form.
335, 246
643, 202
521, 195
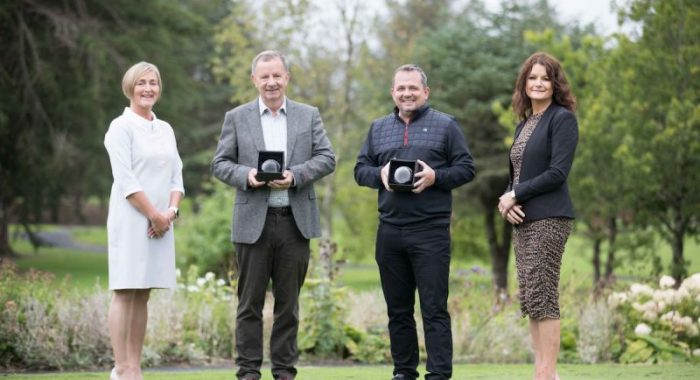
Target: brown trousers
281, 254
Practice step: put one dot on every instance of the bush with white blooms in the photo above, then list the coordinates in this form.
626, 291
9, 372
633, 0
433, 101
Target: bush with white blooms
660, 324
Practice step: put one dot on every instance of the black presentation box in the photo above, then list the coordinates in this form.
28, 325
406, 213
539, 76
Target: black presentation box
406, 174
270, 165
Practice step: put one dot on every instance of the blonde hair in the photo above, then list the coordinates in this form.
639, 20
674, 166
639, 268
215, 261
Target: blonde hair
134, 73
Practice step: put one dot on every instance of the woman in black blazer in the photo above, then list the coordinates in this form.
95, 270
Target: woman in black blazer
537, 200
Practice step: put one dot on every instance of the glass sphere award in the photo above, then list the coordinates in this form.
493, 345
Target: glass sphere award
270, 164
402, 174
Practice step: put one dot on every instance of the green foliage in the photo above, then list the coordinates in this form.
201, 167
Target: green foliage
48, 325
659, 325
60, 85
658, 150
204, 236
322, 331
371, 347
45, 325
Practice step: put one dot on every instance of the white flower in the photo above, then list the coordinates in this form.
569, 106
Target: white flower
201, 282
210, 276
685, 321
668, 316
641, 289
693, 330
649, 310
221, 282
617, 299
642, 329
696, 352
666, 282
667, 296
691, 284
192, 289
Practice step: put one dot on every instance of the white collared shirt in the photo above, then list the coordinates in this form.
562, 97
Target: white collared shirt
274, 130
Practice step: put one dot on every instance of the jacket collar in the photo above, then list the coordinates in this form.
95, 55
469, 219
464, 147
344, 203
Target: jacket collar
419, 113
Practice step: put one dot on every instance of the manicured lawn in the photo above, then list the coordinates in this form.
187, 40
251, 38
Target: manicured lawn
86, 268
464, 371
83, 269
90, 235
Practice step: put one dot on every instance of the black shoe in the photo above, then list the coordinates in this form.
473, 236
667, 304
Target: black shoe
401, 376
284, 376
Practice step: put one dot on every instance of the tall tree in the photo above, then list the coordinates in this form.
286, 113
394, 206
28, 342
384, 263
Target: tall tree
659, 87
473, 61
599, 204
60, 85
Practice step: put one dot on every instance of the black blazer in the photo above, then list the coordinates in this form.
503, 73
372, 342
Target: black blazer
549, 153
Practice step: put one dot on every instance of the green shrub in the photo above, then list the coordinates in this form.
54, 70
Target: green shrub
204, 236
46, 325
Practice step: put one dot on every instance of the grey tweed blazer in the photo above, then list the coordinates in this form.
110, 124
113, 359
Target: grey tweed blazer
309, 157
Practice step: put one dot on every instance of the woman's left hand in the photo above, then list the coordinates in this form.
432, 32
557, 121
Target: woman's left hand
505, 203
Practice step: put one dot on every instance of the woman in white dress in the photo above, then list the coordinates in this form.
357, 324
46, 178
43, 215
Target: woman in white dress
143, 203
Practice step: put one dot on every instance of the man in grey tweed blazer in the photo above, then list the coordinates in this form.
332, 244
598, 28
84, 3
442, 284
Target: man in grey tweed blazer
272, 221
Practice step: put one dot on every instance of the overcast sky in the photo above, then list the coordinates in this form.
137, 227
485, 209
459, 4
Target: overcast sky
597, 12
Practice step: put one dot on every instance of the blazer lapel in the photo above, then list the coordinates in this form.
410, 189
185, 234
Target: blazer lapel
292, 129
255, 126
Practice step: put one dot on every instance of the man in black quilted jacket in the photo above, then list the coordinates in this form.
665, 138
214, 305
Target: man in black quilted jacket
413, 238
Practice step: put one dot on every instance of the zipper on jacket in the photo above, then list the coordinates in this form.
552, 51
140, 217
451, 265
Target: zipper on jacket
405, 134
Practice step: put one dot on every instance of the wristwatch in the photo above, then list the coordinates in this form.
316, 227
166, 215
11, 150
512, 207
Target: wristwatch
175, 210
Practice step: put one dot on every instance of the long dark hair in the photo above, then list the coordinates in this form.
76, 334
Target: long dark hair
522, 106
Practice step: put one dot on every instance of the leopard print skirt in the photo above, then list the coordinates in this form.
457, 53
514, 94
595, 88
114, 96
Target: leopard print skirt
539, 246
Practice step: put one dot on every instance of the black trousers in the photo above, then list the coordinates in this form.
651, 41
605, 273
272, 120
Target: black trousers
281, 255
410, 258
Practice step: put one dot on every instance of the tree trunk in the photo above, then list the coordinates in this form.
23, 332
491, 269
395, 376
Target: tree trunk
327, 207
678, 265
500, 254
612, 239
5, 249
596, 261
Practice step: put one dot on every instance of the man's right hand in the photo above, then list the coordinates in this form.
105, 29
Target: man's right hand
385, 176
252, 182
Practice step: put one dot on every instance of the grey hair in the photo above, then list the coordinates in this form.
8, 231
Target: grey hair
412, 67
266, 56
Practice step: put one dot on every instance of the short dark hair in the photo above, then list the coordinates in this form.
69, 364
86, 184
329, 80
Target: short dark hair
412, 67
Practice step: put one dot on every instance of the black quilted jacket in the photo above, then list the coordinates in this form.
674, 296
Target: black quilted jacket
431, 136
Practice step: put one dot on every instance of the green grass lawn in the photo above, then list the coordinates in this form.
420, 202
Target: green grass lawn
464, 371
85, 269
90, 235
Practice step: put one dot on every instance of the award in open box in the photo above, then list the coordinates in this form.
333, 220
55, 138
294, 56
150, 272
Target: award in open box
270, 165
402, 174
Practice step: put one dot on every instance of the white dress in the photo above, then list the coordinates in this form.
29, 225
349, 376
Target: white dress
143, 155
